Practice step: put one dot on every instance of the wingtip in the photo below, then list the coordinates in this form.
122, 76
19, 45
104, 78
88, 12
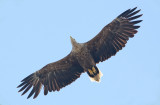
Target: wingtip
134, 8
19, 85
139, 10
141, 14
35, 96
140, 21
22, 94
28, 96
128, 12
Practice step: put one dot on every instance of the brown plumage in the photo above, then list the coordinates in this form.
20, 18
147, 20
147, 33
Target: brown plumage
84, 56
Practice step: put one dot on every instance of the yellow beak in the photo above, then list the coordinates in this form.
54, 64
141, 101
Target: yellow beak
71, 38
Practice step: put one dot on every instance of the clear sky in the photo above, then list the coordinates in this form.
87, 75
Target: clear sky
34, 33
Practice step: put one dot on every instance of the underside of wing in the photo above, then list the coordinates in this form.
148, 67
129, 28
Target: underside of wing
53, 77
114, 36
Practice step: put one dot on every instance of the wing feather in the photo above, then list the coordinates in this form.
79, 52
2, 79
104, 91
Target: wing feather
114, 36
53, 76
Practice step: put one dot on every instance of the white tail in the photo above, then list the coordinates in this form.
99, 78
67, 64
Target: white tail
97, 78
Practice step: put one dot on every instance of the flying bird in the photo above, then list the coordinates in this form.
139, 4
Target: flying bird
84, 56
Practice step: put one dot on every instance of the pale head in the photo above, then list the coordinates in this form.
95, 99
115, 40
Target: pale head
75, 46
73, 41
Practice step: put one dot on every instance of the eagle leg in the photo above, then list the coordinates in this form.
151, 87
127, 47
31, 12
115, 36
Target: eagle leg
95, 74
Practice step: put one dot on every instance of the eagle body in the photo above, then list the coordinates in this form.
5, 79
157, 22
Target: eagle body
81, 52
84, 56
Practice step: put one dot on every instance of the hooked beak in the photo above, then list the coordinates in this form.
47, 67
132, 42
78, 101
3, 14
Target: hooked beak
71, 38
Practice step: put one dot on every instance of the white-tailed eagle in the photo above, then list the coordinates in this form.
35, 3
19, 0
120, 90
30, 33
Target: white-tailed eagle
84, 56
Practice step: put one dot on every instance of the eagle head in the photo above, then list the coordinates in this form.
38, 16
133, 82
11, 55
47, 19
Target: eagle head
73, 41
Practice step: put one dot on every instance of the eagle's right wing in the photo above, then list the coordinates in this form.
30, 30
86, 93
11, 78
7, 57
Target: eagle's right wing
114, 36
53, 76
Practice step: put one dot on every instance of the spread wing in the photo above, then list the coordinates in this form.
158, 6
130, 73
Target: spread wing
53, 76
114, 36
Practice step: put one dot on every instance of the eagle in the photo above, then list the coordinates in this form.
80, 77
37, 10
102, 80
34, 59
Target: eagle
84, 56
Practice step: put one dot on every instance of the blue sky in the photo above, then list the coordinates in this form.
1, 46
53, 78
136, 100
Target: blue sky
34, 33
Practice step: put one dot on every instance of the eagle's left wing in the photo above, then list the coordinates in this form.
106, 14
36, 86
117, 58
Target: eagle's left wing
114, 36
53, 76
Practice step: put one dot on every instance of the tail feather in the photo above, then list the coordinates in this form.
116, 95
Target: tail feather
95, 74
